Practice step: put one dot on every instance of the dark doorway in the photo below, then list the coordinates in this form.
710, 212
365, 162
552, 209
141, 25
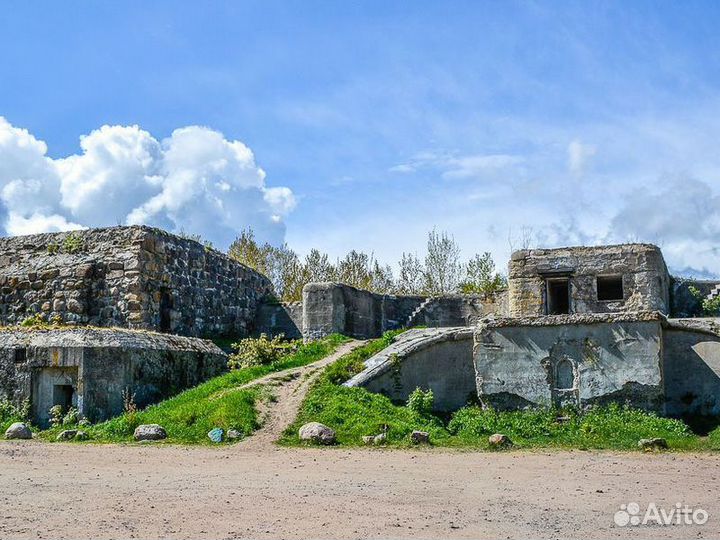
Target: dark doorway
166, 305
62, 395
558, 296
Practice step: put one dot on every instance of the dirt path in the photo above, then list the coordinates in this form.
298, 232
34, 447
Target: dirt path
92, 491
288, 388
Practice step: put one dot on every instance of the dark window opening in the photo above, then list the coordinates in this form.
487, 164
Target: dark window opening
62, 395
166, 305
20, 355
558, 296
610, 288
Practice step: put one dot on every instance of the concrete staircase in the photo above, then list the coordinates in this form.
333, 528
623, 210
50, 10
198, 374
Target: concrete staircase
412, 319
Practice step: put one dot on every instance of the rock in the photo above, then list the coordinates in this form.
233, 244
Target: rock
81, 436
150, 432
656, 443
234, 434
420, 437
317, 433
84, 422
216, 435
380, 439
18, 430
498, 440
67, 435
369, 440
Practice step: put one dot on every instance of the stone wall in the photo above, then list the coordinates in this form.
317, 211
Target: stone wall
645, 279
439, 359
96, 365
136, 277
691, 350
575, 360
335, 307
286, 318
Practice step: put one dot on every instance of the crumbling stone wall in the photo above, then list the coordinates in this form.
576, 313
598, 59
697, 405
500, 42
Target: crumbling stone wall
578, 360
286, 318
645, 278
99, 364
336, 307
136, 277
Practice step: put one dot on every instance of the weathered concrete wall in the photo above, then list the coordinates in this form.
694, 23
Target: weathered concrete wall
684, 303
99, 364
275, 319
644, 277
691, 350
573, 359
335, 307
438, 359
136, 277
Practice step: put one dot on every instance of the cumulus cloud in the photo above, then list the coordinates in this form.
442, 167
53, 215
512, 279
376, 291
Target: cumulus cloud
195, 181
579, 155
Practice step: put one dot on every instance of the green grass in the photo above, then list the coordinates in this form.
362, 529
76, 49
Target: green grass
187, 417
355, 412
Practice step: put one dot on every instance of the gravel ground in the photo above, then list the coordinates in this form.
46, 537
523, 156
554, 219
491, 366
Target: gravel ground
163, 491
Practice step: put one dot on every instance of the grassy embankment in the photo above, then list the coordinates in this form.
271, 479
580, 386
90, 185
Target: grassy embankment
188, 416
355, 412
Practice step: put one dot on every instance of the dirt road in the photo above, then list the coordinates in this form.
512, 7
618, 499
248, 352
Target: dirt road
87, 491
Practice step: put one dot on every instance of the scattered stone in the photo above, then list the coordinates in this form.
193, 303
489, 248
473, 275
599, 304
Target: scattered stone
150, 432
81, 436
216, 435
498, 440
67, 435
234, 434
656, 443
380, 439
369, 440
18, 430
317, 433
420, 437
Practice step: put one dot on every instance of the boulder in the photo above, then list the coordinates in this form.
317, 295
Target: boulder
420, 437
317, 433
216, 435
234, 434
498, 440
656, 443
18, 430
67, 435
150, 432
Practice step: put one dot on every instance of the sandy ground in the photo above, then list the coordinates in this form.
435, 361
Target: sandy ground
257, 490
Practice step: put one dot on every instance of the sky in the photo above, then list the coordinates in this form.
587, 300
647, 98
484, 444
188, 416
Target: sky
363, 125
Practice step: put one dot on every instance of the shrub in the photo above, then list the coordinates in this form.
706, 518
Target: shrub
261, 351
73, 243
421, 401
71, 417
56, 415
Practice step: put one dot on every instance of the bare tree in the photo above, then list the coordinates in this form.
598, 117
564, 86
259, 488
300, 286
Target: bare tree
354, 270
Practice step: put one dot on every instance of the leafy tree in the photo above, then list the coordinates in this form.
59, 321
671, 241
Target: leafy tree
354, 270
318, 267
481, 276
443, 270
411, 279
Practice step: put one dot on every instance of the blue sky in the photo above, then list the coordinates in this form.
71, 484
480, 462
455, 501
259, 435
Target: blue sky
504, 123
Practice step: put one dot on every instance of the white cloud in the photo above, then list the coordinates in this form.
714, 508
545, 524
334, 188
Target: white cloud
455, 167
579, 155
195, 180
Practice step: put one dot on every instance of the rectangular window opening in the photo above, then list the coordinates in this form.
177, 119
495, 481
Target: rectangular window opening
610, 288
558, 296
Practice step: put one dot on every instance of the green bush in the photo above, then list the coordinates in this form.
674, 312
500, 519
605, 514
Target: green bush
421, 401
73, 243
261, 351
11, 413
